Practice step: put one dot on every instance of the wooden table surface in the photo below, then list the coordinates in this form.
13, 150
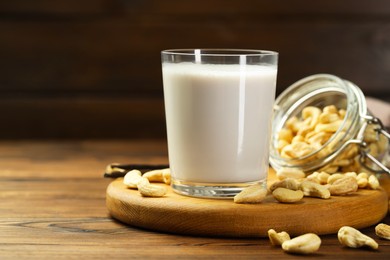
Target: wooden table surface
52, 206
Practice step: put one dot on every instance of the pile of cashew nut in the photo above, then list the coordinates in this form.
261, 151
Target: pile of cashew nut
308, 134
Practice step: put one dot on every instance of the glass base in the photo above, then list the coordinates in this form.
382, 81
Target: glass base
211, 190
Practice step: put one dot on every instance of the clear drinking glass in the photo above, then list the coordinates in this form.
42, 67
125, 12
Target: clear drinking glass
218, 105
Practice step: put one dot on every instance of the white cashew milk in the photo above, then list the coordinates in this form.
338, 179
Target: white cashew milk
218, 121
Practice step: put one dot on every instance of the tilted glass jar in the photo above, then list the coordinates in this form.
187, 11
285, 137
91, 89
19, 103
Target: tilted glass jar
322, 90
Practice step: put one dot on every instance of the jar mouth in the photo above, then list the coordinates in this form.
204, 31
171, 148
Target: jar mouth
317, 90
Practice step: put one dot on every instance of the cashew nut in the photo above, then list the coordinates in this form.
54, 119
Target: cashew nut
319, 177
281, 144
329, 127
352, 237
362, 180
370, 134
148, 190
313, 113
297, 139
111, 168
329, 117
330, 109
323, 177
304, 244
304, 130
351, 174
132, 178
343, 186
342, 113
373, 182
334, 177
308, 134
288, 183
293, 124
313, 177
350, 152
317, 138
296, 150
312, 189
277, 239
161, 175
287, 196
286, 172
286, 134
381, 230
252, 194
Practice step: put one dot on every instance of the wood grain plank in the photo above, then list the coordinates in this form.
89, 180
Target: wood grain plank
73, 160
100, 237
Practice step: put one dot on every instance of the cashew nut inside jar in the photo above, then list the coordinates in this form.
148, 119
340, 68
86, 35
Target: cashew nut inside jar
321, 123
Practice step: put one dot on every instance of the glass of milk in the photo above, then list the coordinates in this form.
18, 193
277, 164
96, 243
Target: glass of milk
218, 106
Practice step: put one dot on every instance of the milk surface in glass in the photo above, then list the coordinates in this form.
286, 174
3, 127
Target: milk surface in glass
218, 119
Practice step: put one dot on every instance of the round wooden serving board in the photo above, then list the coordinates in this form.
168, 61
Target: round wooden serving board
210, 217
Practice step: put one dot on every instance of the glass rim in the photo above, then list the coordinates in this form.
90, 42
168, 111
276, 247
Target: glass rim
220, 52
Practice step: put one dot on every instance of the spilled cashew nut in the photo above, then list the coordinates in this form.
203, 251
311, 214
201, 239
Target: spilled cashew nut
319, 177
252, 194
381, 230
111, 168
351, 174
334, 177
161, 175
312, 189
148, 190
167, 176
323, 177
373, 182
132, 178
277, 239
351, 237
362, 180
313, 177
343, 186
304, 244
330, 169
287, 196
288, 183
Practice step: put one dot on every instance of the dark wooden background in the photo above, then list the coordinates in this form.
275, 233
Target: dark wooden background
91, 68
